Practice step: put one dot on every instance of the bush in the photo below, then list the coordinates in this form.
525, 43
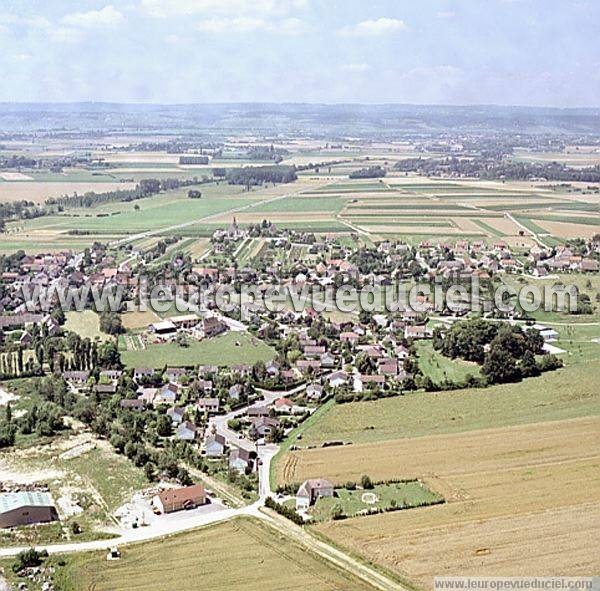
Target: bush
28, 558
366, 482
287, 512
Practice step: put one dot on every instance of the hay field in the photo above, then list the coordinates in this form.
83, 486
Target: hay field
568, 229
39, 191
240, 555
521, 500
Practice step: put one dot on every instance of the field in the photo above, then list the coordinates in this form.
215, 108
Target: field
440, 368
237, 555
567, 393
229, 349
86, 324
521, 500
39, 191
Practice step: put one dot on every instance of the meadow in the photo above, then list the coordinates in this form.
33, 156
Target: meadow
228, 349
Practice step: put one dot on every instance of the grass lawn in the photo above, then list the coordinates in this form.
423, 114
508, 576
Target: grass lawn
222, 350
240, 555
440, 368
85, 324
567, 393
352, 502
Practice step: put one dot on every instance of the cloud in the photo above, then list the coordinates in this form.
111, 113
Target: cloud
355, 67
231, 8
66, 34
440, 73
21, 57
108, 16
246, 24
376, 27
446, 14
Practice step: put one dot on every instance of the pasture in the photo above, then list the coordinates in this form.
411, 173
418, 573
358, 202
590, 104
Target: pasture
239, 555
567, 393
86, 324
228, 349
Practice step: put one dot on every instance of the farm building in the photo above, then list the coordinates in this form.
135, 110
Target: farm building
164, 328
26, 508
176, 499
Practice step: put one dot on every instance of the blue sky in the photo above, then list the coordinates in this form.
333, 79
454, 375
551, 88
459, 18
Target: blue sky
514, 52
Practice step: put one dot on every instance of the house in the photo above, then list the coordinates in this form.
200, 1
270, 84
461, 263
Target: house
416, 332
241, 460
110, 374
349, 337
166, 395
174, 374
314, 392
215, 445
337, 378
176, 413
327, 360
388, 367
284, 405
235, 391
136, 404
26, 508
205, 386
187, 431
272, 368
176, 499
76, 379
311, 490
359, 381
208, 405
147, 395
263, 426
105, 389
258, 411
212, 326
141, 373
402, 352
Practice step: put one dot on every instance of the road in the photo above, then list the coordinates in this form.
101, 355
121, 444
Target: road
527, 230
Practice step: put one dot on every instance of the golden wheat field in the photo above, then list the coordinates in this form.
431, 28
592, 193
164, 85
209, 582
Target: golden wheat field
518, 499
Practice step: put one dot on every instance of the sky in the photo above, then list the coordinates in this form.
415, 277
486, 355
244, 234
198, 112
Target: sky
509, 52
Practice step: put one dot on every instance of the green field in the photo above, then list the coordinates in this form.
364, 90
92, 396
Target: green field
240, 555
440, 368
222, 350
567, 393
86, 324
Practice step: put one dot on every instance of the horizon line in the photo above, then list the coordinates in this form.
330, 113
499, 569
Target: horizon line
301, 103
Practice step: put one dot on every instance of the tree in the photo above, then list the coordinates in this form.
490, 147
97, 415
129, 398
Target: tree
163, 426
500, 366
366, 482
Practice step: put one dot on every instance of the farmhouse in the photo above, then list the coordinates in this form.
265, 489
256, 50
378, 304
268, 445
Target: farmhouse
26, 508
311, 490
188, 497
